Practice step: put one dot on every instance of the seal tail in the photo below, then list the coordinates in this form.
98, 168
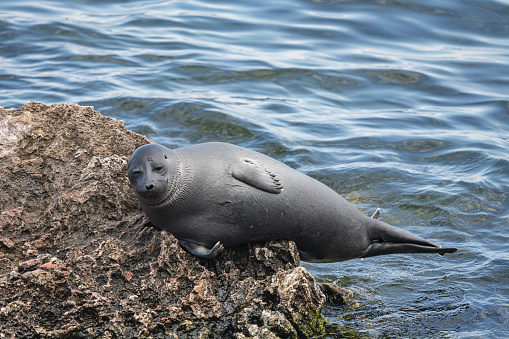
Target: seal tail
387, 239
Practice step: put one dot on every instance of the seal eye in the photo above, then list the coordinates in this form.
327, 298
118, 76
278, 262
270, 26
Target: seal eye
158, 169
136, 173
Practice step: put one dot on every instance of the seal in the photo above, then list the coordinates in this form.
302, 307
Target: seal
217, 195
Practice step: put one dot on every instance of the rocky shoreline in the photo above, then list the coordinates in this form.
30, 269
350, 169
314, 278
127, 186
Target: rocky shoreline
79, 259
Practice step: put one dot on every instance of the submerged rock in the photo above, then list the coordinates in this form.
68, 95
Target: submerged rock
79, 259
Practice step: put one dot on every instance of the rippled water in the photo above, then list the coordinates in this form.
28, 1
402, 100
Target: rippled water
396, 104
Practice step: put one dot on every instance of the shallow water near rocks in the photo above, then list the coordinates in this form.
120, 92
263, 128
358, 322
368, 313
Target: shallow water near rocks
401, 105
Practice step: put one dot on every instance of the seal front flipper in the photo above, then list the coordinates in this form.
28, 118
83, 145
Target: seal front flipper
251, 173
201, 251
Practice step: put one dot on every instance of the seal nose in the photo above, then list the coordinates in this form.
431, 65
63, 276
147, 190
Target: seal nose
149, 186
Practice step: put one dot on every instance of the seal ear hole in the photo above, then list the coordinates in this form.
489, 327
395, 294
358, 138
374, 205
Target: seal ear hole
165, 156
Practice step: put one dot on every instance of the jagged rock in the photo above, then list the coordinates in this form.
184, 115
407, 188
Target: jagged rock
337, 296
79, 259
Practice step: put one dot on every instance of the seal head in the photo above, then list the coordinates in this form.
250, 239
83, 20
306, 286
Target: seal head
154, 174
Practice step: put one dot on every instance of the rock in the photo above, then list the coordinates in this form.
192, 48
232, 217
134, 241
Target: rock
79, 259
336, 296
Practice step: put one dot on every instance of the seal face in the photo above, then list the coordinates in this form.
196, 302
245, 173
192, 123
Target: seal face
216, 195
153, 175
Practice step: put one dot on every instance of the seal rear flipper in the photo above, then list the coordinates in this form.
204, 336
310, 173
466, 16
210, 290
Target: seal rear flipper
394, 247
201, 251
251, 173
387, 239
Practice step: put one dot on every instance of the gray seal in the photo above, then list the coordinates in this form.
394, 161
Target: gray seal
217, 195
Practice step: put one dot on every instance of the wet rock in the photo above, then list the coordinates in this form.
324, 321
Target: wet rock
79, 259
335, 295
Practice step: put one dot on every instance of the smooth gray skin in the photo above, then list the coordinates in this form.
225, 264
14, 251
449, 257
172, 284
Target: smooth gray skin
217, 195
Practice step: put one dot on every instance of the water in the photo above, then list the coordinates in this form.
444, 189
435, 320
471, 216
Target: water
396, 104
